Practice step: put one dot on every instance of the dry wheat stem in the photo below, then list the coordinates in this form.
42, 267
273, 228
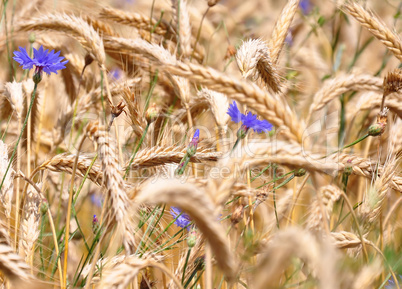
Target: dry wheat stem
369, 20
196, 203
281, 29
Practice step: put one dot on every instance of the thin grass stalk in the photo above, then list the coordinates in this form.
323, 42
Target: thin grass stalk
70, 200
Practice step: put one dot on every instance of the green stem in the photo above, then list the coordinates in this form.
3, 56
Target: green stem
274, 199
274, 180
183, 164
185, 265
22, 132
236, 143
136, 150
266, 168
349, 145
285, 182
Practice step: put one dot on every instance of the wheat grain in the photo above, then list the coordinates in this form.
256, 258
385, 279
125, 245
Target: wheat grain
263, 103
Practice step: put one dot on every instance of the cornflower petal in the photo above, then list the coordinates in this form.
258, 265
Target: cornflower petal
183, 220
234, 112
43, 60
248, 120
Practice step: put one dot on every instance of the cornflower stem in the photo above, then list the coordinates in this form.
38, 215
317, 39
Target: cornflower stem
274, 199
285, 182
12, 158
185, 265
70, 201
276, 179
266, 168
236, 143
349, 145
18, 169
182, 165
136, 150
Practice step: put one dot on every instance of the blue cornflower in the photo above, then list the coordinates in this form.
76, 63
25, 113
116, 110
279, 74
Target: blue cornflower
43, 60
305, 6
183, 221
248, 120
391, 283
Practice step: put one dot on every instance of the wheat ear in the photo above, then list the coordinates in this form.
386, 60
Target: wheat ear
7, 190
281, 29
290, 242
254, 61
114, 183
369, 20
123, 273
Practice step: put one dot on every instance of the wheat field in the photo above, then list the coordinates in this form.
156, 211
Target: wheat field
201, 144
